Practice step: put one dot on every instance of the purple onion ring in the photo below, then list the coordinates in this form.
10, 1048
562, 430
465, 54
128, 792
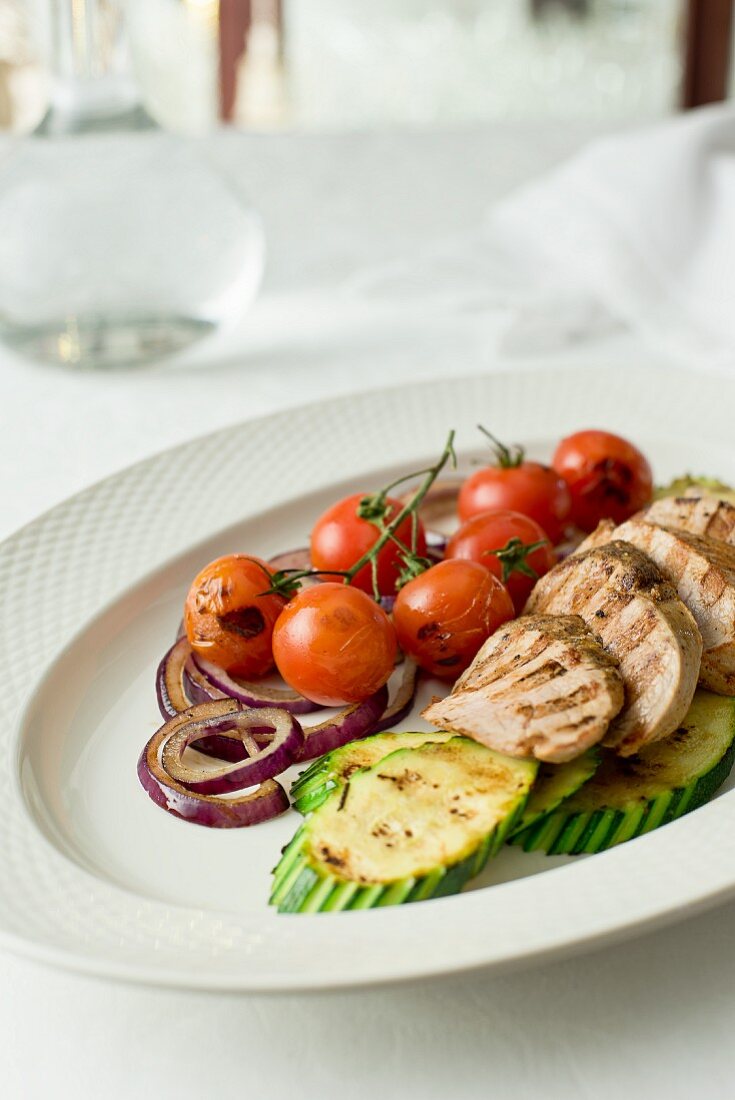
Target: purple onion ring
268, 801
439, 504
176, 691
249, 693
172, 697
355, 720
290, 559
402, 701
436, 545
282, 744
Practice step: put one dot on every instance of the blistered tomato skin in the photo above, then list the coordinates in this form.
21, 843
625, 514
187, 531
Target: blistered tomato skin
227, 618
443, 616
334, 644
608, 477
340, 537
530, 488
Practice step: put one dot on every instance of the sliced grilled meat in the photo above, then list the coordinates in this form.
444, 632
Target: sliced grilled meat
700, 515
603, 534
622, 595
541, 686
702, 570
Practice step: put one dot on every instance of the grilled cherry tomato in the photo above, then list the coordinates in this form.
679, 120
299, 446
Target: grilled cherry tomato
340, 537
443, 616
227, 618
334, 644
519, 485
510, 545
607, 476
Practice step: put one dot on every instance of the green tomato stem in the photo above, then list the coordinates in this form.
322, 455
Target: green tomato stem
409, 509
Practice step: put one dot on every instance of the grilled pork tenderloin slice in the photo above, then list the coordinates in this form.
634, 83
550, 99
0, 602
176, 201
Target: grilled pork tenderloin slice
622, 595
700, 515
542, 686
702, 570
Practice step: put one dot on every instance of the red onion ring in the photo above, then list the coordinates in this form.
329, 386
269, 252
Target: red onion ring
573, 537
170, 692
268, 801
402, 702
197, 686
355, 720
436, 545
176, 692
440, 503
263, 761
198, 689
291, 559
251, 694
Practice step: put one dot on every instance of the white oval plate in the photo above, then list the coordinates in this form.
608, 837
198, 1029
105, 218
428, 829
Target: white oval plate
96, 878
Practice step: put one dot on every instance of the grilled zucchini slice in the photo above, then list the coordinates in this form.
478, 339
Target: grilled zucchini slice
417, 824
630, 796
332, 770
709, 486
554, 784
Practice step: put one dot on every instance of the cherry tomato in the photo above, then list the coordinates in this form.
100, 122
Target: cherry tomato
334, 644
443, 616
340, 537
510, 545
227, 618
521, 486
607, 476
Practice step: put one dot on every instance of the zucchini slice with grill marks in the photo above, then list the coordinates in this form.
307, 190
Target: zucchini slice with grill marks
417, 824
630, 796
332, 770
554, 784
709, 486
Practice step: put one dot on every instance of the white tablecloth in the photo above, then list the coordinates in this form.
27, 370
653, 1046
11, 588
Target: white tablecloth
652, 1017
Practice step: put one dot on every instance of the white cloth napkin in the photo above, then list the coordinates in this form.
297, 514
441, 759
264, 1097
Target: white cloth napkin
637, 230
643, 224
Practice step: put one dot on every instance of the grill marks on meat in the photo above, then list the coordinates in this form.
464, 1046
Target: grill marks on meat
622, 595
699, 515
702, 569
541, 686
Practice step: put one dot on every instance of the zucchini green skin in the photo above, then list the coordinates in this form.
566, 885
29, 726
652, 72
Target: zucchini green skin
299, 888
554, 784
630, 797
331, 771
303, 883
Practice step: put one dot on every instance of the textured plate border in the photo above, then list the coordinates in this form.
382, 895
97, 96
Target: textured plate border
85, 553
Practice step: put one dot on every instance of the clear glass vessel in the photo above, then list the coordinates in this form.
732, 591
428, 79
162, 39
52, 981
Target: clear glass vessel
119, 244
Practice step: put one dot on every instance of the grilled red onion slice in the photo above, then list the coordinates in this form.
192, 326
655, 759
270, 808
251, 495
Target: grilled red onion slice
268, 801
197, 686
402, 701
172, 697
573, 537
279, 731
355, 720
439, 506
291, 559
176, 692
251, 694
198, 689
436, 545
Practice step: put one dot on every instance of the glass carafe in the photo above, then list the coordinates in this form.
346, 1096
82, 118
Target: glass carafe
119, 244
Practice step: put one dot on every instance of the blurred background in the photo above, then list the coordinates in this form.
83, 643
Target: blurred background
344, 64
